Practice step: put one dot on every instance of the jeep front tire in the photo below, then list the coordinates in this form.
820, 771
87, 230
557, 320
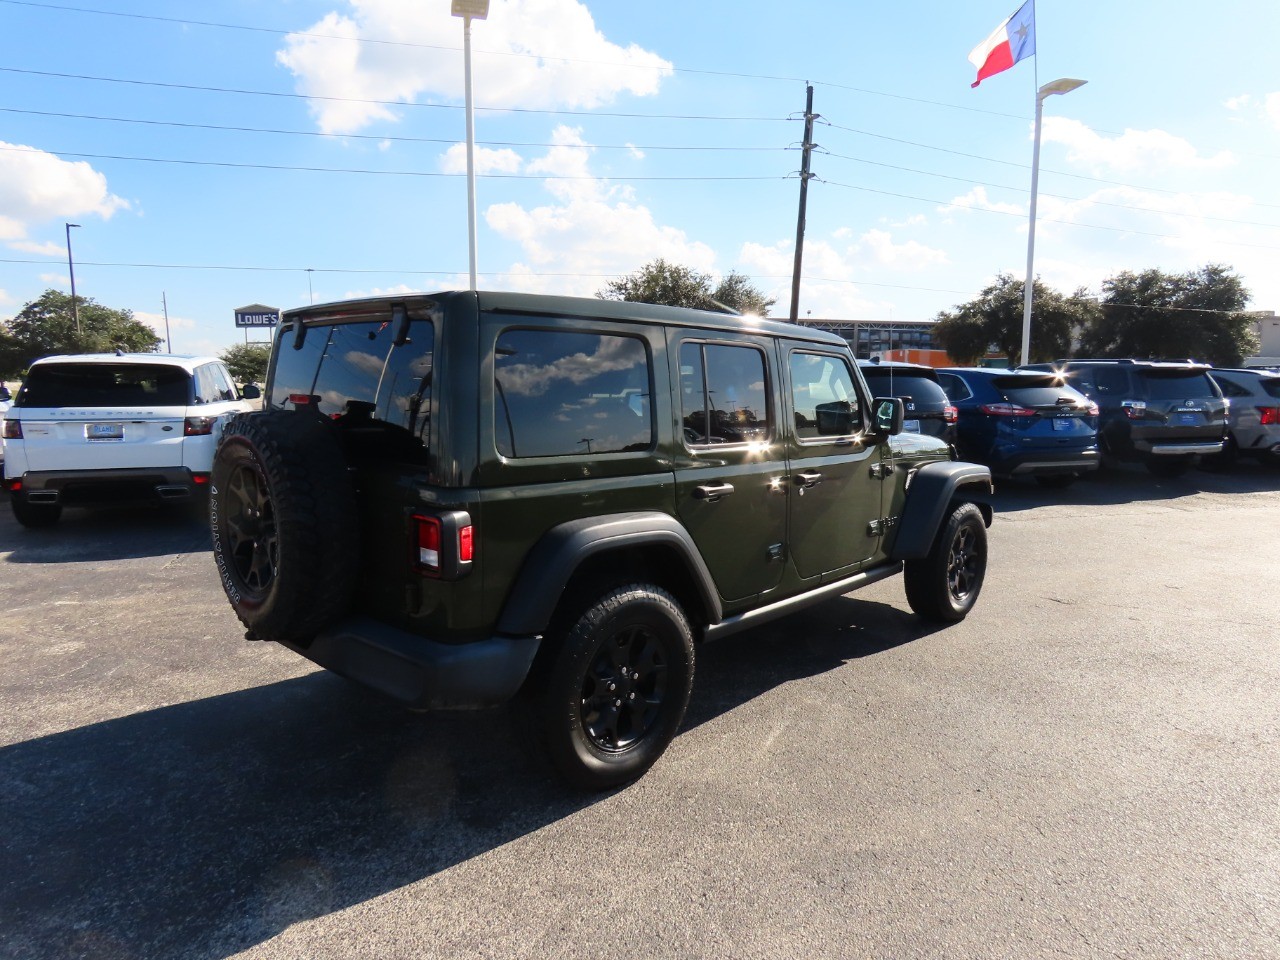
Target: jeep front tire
944, 585
618, 686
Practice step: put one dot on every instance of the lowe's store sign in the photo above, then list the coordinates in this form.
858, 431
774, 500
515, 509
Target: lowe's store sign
256, 315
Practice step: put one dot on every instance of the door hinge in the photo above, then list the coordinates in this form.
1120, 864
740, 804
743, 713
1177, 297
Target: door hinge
881, 469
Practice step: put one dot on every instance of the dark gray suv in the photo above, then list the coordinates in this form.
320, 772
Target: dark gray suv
1166, 415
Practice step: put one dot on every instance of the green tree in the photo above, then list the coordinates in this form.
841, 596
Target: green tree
47, 326
678, 286
1198, 314
996, 315
963, 336
247, 361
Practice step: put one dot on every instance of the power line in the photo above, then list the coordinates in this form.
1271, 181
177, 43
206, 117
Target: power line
372, 136
1023, 216
382, 103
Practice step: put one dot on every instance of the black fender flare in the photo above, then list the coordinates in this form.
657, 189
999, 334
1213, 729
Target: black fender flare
566, 547
933, 489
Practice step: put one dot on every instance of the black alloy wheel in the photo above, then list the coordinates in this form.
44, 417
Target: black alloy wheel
623, 692
252, 538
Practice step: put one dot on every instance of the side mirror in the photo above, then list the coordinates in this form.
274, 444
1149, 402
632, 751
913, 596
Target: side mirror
835, 419
888, 416
251, 392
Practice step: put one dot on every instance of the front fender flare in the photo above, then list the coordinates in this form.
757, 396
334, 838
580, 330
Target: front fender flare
565, 547
934, 488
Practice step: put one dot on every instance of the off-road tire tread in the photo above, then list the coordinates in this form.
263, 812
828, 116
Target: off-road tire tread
315, 508
925, 580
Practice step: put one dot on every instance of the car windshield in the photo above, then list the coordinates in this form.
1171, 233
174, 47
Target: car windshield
1176, 384
885, 381
105, 385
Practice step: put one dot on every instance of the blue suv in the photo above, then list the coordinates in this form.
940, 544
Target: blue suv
1023, 424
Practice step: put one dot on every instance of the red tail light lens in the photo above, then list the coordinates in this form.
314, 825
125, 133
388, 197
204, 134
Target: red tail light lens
13, 486
950, 414
1268, 416
198, 426
428, 539
1092, 410
13, 429
443, 545
1007, 410
200, 479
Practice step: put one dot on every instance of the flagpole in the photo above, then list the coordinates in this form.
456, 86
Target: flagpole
1064, 85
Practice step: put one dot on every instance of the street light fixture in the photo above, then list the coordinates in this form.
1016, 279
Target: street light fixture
71, 268
1065, 85
470, 10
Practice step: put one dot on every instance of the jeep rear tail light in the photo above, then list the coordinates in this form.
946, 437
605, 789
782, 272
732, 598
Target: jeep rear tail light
1007, 410
13, 429
950, 414
1134, 409
198, 426
1268, 416
443, 545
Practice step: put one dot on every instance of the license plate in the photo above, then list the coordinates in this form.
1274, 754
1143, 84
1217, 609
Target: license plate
1188, 418
910, 426
104, 431
1063, 423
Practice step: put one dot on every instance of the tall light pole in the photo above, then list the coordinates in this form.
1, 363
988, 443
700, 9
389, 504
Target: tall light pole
1064, 85
71, 268
470, 10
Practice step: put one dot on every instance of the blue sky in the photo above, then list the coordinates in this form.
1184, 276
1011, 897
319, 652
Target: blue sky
284, 150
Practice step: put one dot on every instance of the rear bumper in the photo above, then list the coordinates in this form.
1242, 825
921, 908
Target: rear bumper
420, 673
70, 487
1178, 448
1048, 462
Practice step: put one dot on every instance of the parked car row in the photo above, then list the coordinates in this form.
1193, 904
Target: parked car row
1055, 422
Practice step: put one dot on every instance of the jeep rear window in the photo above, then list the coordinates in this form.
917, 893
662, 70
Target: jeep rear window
561, 393
105, 385
1175, 384
356, 376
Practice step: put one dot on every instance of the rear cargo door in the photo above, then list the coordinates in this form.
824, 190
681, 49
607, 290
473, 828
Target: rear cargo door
101, 416
1181, 405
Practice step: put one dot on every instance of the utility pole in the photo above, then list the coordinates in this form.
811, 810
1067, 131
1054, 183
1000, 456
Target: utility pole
168, 343
71, 268
806, 149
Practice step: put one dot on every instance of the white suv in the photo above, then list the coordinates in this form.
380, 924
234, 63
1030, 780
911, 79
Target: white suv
105, 427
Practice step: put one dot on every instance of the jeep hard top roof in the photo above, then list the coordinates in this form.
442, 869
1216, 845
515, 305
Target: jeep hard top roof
517, 304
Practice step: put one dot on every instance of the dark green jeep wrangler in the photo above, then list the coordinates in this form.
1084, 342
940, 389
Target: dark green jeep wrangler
458, 497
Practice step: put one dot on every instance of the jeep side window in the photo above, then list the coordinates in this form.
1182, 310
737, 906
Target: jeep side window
723, 394
560, 393
823, 396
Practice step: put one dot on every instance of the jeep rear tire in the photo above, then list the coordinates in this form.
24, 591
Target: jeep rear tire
282, 515
944, 585
617, 689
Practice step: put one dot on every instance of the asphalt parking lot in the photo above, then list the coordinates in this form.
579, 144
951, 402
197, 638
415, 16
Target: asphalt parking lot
1086, 767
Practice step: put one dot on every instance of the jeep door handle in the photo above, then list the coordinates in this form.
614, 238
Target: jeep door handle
807, 480
712, 491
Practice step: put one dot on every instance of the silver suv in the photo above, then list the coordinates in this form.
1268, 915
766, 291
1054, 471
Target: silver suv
1253, 423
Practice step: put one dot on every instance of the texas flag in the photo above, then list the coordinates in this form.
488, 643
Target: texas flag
1010, 42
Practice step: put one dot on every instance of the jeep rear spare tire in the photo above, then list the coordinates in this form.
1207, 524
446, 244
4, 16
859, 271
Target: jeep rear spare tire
282, 513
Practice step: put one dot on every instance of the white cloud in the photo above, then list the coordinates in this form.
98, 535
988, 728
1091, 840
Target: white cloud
48, 249
977, 199
1271, 106
593, 229
399, 288
156, 322
36, 186
56, 279
1144, 150
528, 53
1238, 103
910, 255
5, 298
454, 160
